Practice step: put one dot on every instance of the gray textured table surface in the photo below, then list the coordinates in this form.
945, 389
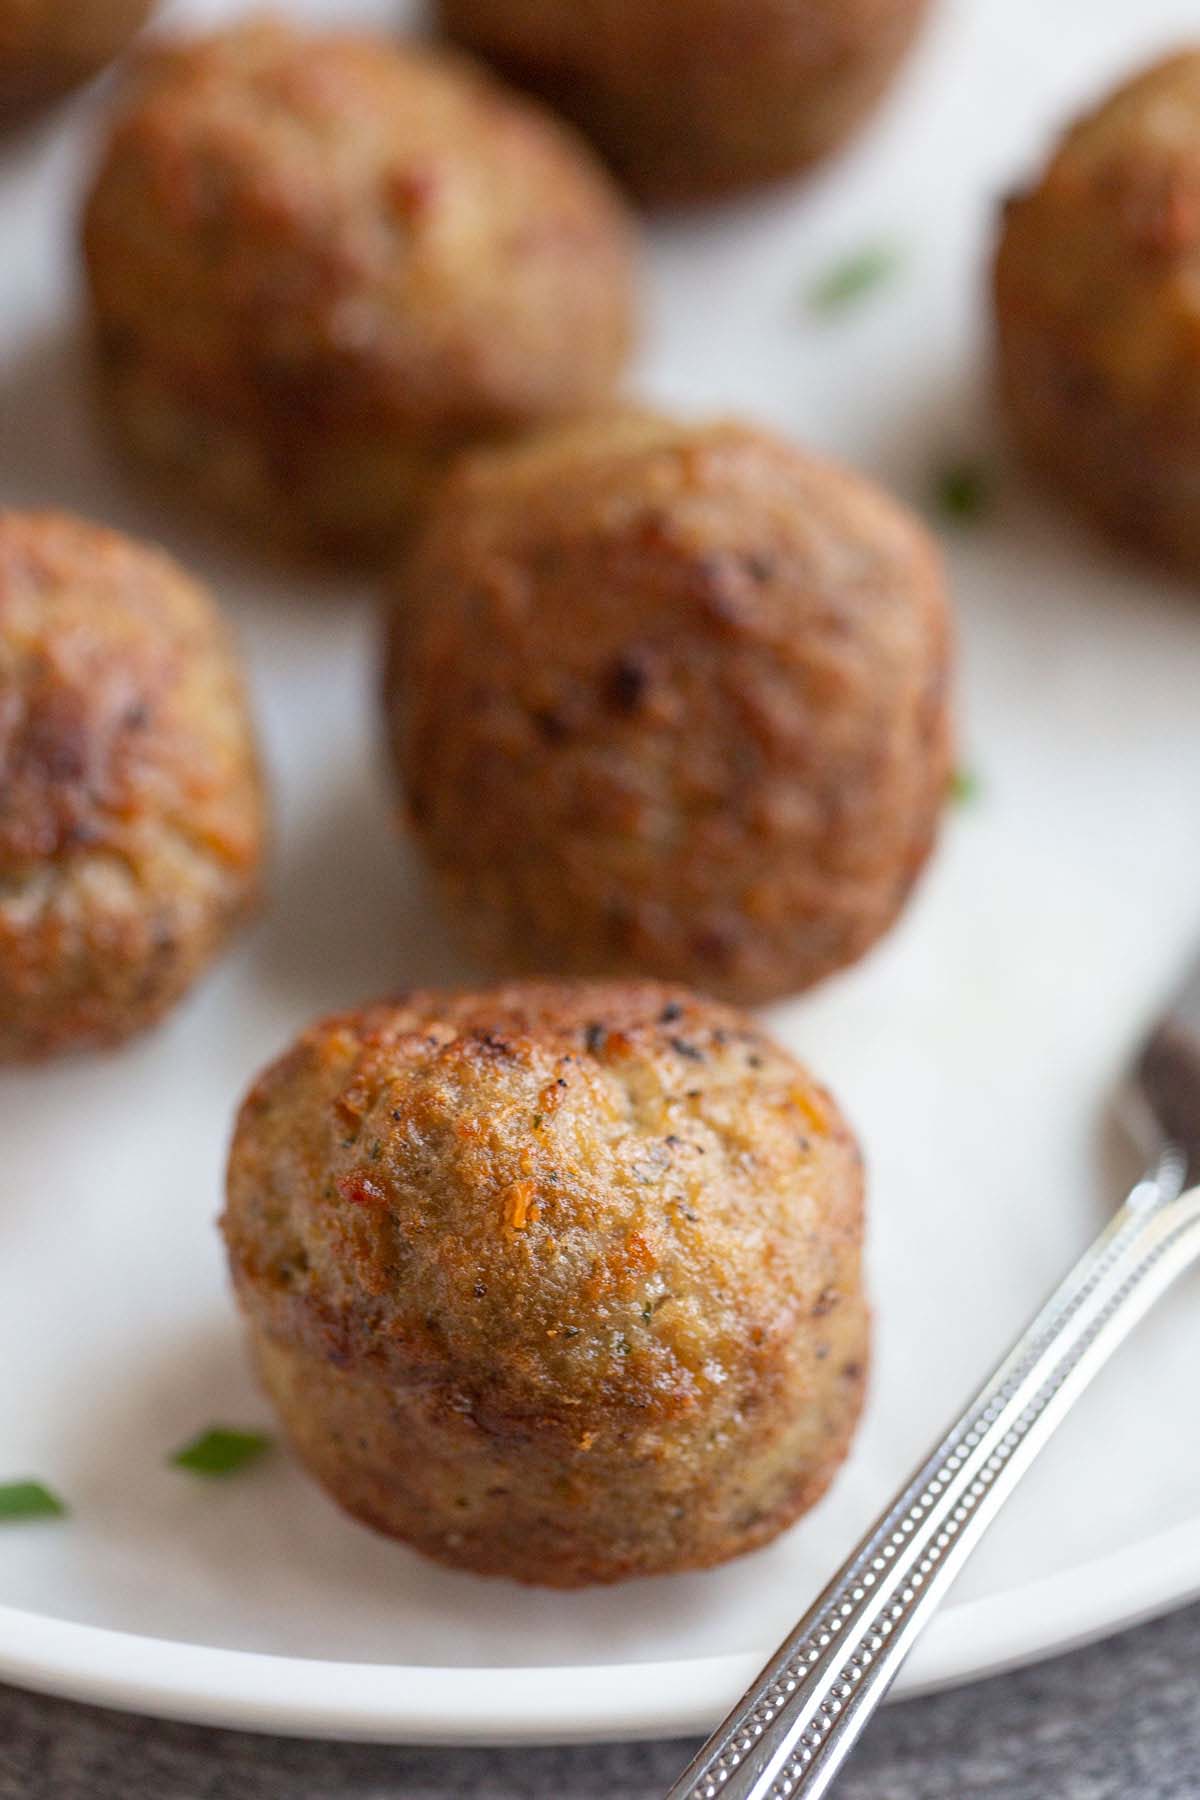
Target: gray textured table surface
1121, 1719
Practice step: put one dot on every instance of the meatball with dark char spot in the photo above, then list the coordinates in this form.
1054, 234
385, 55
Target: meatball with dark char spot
558, 1281
320, 264
49, 45
1097, 297
690, 98
131, 802
671, 700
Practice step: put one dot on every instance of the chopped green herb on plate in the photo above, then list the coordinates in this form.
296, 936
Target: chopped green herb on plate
962, 492
221, 1451
964, 787
29, 1500
848, 280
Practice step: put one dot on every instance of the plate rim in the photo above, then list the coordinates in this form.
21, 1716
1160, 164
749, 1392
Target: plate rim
396, 1703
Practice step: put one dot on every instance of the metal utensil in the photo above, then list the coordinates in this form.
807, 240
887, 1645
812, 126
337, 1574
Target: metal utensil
793, 1729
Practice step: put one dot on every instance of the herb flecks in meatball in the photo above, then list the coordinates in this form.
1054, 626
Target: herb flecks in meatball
671, 700
131, 803
558, 1282
320, 264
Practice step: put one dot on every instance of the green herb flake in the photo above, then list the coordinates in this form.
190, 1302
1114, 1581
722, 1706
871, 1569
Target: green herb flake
852, 278
29, 1500
221, 1451
965, 787
962, 492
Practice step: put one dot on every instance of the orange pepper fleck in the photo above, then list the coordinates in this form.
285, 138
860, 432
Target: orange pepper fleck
809, 1104
517, 1210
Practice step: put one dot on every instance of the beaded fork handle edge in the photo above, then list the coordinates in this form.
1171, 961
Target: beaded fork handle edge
790, 1733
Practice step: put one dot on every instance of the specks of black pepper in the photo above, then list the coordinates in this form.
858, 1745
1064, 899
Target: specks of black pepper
480, 1290
571, 1331
376, 1150
754, 1060
595, 1037
561, 1081
720, 1036
853, 1371
683, 1047
397, 1115
626, 682
825, 1302
802, 1144
670, 1012
493, 1045
137, 716
551, 725
623, 1346
538, 1121
693, 1093
676, 1143
693, 1218
822, 1351
647, 1312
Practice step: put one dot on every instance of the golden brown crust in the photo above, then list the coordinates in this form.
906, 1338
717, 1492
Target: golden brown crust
560, 1282
673, 701
131, 803
1097, 294
47, 46
321, 264
692, 98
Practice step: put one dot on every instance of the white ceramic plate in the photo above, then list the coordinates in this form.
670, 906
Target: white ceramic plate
975, 1050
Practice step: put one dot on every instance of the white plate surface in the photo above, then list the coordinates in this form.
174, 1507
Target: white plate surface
975, 1050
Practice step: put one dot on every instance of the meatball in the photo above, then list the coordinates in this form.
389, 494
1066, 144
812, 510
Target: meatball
558, 1282
131, 806
1098, 314
690, 98
672, 701
49, 45
321, 264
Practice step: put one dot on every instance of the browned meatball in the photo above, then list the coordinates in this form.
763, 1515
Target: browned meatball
560, 1282
690, 98
131, 807
49, 45
671, 700
320, 264
1097, 288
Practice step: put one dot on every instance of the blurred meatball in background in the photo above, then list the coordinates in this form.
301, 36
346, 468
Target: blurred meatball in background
1097, 295
47, 46
671, 700
131, 803
555, 1282
319, 264
693, 98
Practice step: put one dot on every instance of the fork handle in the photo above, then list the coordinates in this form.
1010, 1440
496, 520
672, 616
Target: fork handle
788, 1736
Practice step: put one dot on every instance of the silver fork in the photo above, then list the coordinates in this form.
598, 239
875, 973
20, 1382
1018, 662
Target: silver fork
790, 1733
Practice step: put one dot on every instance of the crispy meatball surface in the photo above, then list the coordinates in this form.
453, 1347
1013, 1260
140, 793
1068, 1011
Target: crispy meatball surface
49, 45
320, 264
1097, 291
559, 1282
690, 98
131, 806
671, 700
